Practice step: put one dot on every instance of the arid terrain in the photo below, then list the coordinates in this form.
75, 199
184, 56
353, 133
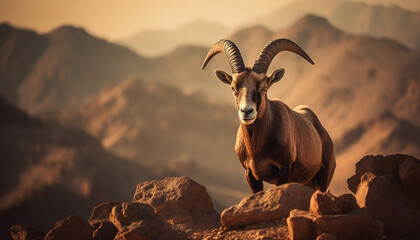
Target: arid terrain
84, 119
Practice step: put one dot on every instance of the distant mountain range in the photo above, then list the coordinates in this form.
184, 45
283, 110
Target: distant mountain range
152, 43
60, 68
49, 172
352, 17
166, 111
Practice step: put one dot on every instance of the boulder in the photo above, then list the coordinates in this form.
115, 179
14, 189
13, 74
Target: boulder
176, 199
388, 202
322, 203
268, 205
409, 175
327, 236
139, 221
71, 228
103, 229
356, 224
101, 212
388, 187
23, 232
378, 165
347, 202
146, 230
300, 225
125, 214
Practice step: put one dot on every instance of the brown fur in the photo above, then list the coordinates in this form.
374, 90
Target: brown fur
282, 145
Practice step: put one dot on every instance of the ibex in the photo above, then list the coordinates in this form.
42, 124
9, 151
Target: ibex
274, 143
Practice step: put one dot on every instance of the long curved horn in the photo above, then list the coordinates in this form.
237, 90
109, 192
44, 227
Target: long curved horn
272, 49
229, 48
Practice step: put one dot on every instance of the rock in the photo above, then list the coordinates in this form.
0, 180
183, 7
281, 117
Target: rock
378, 165
322, 203
127, 213
145, 230
327, 236
346, 202
388, 187
101, 212
388, 202
409, 174
300, 225
139, 221
22, 232
176, 199
104, 230
268, 205
71, 228
356, 224
327, 204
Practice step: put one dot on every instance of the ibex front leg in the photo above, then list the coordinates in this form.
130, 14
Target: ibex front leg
283, 175
254, 184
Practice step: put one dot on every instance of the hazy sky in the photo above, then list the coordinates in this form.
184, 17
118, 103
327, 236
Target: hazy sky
117, 19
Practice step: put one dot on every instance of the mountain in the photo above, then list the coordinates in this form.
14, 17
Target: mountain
153, 43
42, 73
159, 125
353, 17
49, 172
58, 69
386, 134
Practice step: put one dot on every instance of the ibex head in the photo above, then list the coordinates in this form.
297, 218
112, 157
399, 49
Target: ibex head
249, 86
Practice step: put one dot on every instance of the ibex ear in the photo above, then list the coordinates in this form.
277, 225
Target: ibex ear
275, 77
224, 77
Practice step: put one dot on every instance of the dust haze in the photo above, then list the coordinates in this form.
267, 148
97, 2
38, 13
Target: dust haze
97, 97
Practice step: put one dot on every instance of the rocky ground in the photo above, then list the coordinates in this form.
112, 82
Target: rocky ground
385, 206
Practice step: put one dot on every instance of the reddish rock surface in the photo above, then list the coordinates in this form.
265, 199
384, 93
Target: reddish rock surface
176, 199
99, 220
389, 187
327, 204
327, 236
125, 214
101, 212
22, 232
355, 224
378, 165
388, 202
71, 228
323, 203
268, 205
104, 230
139, 221
331, 217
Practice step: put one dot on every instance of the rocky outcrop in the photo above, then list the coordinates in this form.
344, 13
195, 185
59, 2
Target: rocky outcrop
71, 228
179, 208
139, 221
103, 229
332, 217
268, 205
388, 187
177, 200
22, 232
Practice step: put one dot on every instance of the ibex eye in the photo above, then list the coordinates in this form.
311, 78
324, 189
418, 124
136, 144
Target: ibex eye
233, 89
